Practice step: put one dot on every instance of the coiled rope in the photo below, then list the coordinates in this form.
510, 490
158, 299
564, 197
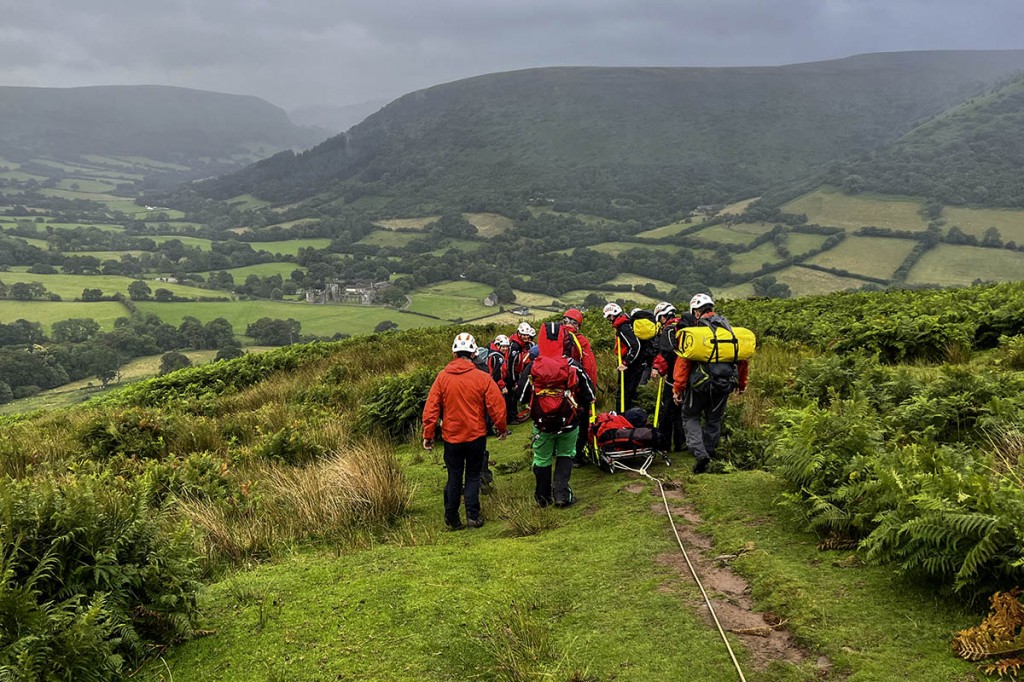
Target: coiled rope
693, 571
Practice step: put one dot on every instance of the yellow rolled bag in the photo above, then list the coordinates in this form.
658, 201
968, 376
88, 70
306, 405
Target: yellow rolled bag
704, 344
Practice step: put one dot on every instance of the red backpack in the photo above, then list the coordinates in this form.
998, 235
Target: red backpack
553, 406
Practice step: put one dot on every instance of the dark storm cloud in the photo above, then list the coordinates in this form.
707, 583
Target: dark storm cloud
327, 52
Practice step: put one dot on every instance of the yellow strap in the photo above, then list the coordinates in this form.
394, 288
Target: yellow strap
657, 405
622, 375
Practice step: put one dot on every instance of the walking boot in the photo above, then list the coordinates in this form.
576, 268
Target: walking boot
542, 492
563, 493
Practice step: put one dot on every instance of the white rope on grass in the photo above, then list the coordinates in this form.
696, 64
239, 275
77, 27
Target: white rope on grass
693, 571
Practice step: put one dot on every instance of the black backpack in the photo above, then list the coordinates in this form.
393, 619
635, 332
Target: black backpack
719, 377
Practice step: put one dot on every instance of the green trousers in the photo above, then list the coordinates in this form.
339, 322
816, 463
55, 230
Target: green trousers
547, 446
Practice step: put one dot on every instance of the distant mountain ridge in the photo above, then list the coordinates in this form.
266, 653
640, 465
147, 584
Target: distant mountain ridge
158, 122
606, 137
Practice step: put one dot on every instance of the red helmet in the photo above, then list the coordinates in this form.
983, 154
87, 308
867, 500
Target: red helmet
574, 315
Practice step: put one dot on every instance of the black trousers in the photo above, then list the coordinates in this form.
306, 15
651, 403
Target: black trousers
670, 422
703, 439
463, 460
583, 439
631, 379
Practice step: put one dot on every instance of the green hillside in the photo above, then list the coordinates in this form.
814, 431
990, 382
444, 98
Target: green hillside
623, 141
972, 154
275, 513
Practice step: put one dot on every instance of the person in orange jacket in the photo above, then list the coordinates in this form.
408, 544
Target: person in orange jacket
581, 351
703, 388
464, 397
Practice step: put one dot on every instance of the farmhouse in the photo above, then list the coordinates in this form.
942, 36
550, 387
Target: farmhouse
364, 293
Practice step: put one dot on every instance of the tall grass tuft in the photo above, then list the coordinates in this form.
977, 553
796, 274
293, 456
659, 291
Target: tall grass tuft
358, 488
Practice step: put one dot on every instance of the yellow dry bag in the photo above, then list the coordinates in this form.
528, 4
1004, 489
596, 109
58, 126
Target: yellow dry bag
715, 344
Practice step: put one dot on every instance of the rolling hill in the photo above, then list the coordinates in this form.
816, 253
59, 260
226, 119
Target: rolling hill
617, 141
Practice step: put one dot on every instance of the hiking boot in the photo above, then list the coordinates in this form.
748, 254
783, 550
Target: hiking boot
475, 523
457, 525
702, 465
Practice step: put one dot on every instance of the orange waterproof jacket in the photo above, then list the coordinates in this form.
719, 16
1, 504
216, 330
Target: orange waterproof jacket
463, 396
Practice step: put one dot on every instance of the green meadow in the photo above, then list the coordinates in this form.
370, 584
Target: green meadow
666, 230
196, 242
615, 248
871, 256
321, 320
70, 287
284, 269
805, 282
290, 247
420, 224
976, 221
48, 312
631, 279
751, 261
489, 224
454, 300
740, 233
799, 243
950, 265
829, 206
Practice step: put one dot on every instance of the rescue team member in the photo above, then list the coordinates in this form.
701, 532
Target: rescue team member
502, 344
703, 388
581, 351
670, 422
518, 356
627, 347
551, 384
464, 397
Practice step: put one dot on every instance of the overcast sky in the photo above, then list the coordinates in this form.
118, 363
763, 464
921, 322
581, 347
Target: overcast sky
297, 53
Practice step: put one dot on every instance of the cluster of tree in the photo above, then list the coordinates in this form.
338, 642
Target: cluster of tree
31, 361
27, 291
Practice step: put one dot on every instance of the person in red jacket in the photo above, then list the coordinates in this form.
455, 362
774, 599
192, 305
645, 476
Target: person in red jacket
581, 351
670, 421
703, 388
627, 348
464, 397
518, 356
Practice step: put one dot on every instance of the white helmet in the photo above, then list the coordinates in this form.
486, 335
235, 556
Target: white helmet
501, 340
612, 310
699, 301
664, 309
464, 343
525, 329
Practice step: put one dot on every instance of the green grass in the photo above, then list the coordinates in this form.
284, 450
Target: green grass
284, 269
871, 256
738, 207
294, 223
740, 233
951, 265
751, 261
615, 248
104, 255
666, 230
489, 224
90, 186
576, 296
829, 206
69, 287
389, 238
584, 218
196, 242
420, 224
48, 312
39, 243
873, 626
459, 299
630, 278
804, 282
247, 201
106, 227
290, 247
976, 220
321, 320
799, 243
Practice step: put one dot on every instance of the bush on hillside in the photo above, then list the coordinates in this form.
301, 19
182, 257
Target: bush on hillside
91, 579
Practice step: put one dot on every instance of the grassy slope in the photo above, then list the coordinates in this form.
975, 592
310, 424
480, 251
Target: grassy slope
417, 606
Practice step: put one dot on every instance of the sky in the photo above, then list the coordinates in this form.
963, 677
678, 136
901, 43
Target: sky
303, 53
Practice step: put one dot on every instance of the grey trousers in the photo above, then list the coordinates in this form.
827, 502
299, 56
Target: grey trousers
702, 440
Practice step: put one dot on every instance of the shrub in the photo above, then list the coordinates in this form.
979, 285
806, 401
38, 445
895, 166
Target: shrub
393, 406
90, 579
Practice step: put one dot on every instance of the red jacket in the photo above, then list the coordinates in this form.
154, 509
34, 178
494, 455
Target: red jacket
463, 396
583, 354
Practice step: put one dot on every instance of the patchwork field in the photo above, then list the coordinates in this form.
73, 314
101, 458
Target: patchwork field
576, 296
488, 224
69, 287
950, 265
452, 300
195, 242
290, 247
741, 233
408, 223
804, 282
829, 206
322, 320
48, 312
976, 220
738, 207
631, 279
751, 261
871, 256
666, 230
284, 269
799, 243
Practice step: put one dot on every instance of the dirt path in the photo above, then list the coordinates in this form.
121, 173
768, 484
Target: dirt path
763, 634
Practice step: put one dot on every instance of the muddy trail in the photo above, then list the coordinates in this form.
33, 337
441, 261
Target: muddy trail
763, 634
